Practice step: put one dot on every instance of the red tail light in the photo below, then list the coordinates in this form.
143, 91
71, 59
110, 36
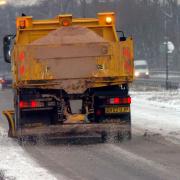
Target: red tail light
115, 100
23, 104
118, 100
126, 100
31, 104
129, 100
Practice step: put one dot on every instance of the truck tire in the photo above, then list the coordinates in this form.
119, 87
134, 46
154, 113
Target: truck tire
104, 137
115, 137
128, 134
17, 110
27, 140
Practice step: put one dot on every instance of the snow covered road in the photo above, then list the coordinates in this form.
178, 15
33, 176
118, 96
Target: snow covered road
152, 153
17, 164
157, 111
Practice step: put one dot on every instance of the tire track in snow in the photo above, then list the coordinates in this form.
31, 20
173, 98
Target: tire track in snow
142, 163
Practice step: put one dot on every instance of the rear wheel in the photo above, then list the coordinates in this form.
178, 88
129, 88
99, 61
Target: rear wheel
27, 140
10, 134
17, 110
104, 137
129, 135
113, 137
119, 135
127, 119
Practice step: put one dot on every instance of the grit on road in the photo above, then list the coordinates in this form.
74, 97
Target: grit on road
147, 156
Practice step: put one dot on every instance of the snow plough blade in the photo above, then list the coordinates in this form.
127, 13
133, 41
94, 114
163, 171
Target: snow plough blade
9, 115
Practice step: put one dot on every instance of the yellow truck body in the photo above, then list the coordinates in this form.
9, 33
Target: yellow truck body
115, 66
82, 58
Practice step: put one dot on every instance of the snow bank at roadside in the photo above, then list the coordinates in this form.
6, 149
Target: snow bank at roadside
157, 111
164, 99
16, 164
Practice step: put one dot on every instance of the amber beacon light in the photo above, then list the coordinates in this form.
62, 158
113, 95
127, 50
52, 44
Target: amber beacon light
108, 20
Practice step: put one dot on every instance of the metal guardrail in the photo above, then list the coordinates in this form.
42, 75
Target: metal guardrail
157, 83
157, 79
177, 73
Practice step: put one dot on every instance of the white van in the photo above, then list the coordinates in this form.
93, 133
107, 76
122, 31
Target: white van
141, 69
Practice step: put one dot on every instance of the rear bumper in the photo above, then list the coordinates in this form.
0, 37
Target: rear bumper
75, 129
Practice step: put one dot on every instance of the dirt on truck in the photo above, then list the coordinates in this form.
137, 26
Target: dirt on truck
70, 77
69, 57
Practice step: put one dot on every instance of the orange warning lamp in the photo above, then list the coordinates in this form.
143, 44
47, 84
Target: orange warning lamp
65, 20
106, 18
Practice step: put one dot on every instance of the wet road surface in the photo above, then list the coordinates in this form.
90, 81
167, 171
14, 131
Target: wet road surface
146, 156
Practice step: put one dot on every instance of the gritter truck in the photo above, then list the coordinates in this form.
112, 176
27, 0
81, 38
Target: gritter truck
70, 76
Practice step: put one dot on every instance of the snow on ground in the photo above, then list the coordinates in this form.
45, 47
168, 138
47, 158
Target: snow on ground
163, 76
154, 111
15, 163
157, 111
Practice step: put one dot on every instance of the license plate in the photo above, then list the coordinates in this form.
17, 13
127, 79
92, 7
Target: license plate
113, 110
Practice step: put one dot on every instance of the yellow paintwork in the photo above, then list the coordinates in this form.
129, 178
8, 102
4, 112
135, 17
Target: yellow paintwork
118, 66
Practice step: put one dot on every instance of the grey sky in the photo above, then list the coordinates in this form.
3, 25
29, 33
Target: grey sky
33, 2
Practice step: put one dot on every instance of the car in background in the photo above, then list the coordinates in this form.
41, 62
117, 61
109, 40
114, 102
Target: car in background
141, 69
5, 81
1, 82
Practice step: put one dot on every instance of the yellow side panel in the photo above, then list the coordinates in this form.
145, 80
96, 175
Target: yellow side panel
121, 62
127, 57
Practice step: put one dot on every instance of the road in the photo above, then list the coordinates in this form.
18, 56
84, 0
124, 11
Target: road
146, 157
